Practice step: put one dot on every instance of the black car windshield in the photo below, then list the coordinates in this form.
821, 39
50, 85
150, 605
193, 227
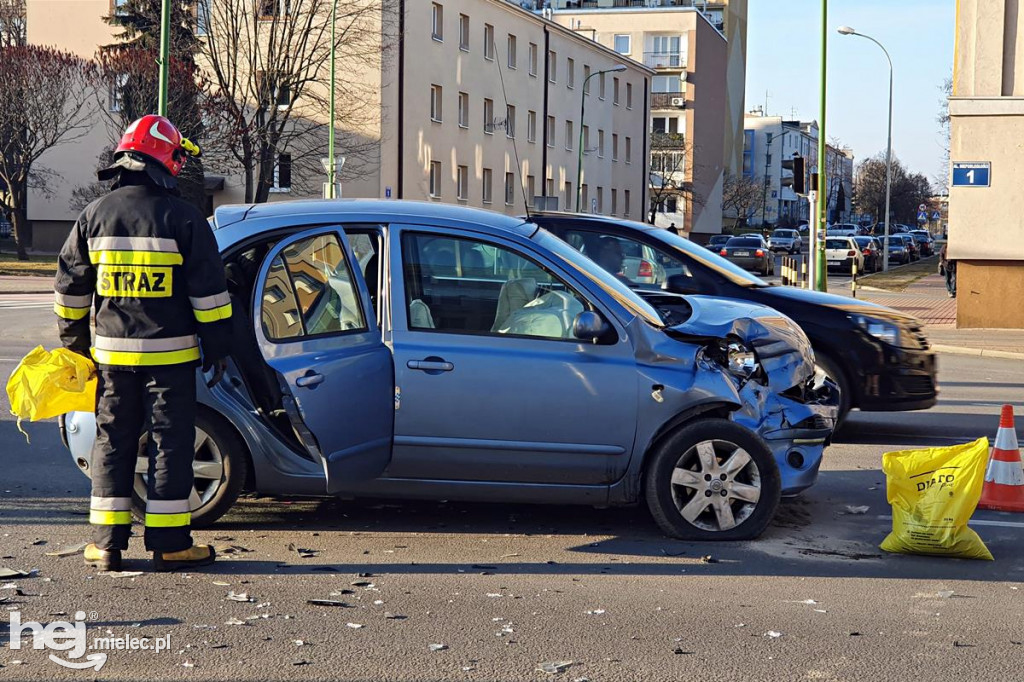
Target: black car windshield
625, 296
863, 241
744, 241
713, 261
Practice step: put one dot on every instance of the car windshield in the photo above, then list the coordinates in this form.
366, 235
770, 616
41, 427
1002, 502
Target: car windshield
744, 241
785, 234
625, 296
713, 261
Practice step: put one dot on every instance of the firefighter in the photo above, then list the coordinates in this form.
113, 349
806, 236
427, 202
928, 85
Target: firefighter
147, 262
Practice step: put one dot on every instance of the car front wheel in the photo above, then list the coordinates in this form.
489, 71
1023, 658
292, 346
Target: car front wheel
713, 480
220, 467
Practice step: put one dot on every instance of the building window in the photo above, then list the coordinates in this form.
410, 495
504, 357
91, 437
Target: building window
585, 203
671, 204
615, 90
623, 43
615, 201
625, 204
600, 199
570, 73
435, 179
615, 146
268, 8
600, 144
511, 51
552, 66
569, 198
510, 189
437, 22
531, 126
531, 183
463, 109
435, 103
488, 188
629, 95
488, 42
670, 83
586, 139
601, 90
550, 187
533, 59
202, 17
586, 79
629, 149
489, 116
462, 183
283, 173
464, 33
551, 131
665, 124
568, 135
510, 121
119, 6
117, 92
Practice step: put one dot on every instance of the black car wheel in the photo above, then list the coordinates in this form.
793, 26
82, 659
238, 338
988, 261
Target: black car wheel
712, 480
836, 374
220, 467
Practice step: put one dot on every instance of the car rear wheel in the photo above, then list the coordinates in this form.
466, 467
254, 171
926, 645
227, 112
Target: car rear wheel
831, 369
713, 480
220, 467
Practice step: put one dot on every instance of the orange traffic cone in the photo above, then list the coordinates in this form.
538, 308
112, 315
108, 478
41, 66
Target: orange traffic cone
1004, 479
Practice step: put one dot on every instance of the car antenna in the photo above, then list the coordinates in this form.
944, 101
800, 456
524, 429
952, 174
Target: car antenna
515, 147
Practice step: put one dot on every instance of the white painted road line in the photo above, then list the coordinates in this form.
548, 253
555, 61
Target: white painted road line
977, 522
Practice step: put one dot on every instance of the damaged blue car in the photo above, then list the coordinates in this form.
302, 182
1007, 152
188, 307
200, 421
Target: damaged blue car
420, 350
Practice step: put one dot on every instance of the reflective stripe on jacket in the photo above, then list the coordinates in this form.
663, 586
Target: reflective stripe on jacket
149, 265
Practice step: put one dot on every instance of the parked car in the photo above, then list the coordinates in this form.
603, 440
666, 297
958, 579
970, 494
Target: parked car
475, 356
913, 253
842, 253
880, 357
785, 240
871, 252
898, 252
717, 241
842, 230
925, 242
751, 253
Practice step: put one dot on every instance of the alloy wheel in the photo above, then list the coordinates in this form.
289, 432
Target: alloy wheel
716, 485
207, 470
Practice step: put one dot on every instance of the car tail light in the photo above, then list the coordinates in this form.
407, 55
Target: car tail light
759, 253
645, 269
851, 254
723, 252
867, 252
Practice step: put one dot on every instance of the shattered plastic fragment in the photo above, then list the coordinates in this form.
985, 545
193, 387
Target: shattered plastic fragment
221, 583
595, 612
773, 634
234, 621
121, 574
852, 509
69, 551
12, 573
240, 596
328, 602
438, 647
554, 667
354, 626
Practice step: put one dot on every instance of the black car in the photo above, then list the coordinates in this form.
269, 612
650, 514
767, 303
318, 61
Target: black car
871, 249
925, 242
879, 356
717, 241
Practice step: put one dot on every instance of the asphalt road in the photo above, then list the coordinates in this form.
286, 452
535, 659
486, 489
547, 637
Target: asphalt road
508, 587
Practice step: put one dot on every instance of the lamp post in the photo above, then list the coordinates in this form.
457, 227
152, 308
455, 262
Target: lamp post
583, 109
329, 189
165, 55
847, 31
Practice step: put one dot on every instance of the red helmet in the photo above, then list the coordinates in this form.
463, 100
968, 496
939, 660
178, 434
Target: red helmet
156, 137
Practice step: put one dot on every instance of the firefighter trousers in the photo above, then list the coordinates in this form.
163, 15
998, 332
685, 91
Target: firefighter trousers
157, 404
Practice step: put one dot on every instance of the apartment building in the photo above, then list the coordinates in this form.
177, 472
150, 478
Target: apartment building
478, 103
690, 96
986, 232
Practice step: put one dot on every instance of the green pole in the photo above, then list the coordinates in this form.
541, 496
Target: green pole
820, 221
165, 55
331, 165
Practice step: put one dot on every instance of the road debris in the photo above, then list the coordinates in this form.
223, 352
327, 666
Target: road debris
121, 574
9, 573
361, 583
554, 667
941, 594
71, 550
708, 559
438, 647
393, 616
239, 596
856, 509
329, 602
772, 634
303, 552
221, 583
235, 621
595, 612
300, 642
355, 626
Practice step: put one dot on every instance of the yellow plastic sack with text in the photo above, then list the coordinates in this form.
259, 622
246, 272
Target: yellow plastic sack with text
933, 493
48, 383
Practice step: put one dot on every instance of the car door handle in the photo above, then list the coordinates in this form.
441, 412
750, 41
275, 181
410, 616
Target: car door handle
430, 365
309, 380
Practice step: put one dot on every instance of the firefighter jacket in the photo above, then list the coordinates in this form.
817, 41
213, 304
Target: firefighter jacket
147, 261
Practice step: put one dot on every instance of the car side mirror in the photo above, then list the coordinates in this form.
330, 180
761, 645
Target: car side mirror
680, 284
590, 326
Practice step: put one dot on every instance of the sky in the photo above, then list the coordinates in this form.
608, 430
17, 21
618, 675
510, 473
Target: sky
783, 57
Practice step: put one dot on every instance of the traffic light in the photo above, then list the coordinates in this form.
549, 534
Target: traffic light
796, 165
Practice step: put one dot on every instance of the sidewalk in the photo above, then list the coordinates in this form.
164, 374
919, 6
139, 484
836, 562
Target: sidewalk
10, 284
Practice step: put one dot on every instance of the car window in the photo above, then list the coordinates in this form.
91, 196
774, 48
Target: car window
630, 260
785, 234
837, 244
744, 241
459, 285
309, 291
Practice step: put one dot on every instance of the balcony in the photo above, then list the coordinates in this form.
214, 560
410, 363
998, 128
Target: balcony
668, 100
665, 60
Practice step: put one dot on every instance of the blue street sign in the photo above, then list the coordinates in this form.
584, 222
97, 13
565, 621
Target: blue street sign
922, 217
972, 174
936, 216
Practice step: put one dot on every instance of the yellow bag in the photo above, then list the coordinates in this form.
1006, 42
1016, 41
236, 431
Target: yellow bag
46, 384
933, 493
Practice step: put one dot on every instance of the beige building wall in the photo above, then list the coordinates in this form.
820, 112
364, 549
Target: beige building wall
702, 66
986, 232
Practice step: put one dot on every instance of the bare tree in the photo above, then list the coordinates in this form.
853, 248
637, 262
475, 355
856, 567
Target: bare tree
268, 63
909, 190
12, 23
669, 152
740, 196
45, 101
943, 120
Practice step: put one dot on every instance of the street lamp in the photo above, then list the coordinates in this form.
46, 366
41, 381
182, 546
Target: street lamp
847, 31
618, 68
331, 165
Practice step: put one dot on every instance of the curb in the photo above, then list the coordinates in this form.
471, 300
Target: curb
978, 352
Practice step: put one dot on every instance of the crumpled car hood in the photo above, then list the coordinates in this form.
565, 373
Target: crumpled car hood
780, 345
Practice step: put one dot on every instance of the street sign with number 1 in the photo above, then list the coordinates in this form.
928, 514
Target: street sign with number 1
972, 174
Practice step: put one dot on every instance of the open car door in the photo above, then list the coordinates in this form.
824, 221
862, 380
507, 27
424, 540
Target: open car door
316, 329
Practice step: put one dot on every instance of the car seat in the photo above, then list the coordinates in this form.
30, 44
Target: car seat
514, 294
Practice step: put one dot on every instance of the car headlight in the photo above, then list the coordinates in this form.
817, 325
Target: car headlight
740, 360
880, 329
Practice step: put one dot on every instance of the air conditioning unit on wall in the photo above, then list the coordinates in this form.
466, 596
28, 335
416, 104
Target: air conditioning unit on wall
679, 101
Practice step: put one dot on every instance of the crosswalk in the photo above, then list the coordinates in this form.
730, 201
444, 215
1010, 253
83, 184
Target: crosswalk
26, 301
